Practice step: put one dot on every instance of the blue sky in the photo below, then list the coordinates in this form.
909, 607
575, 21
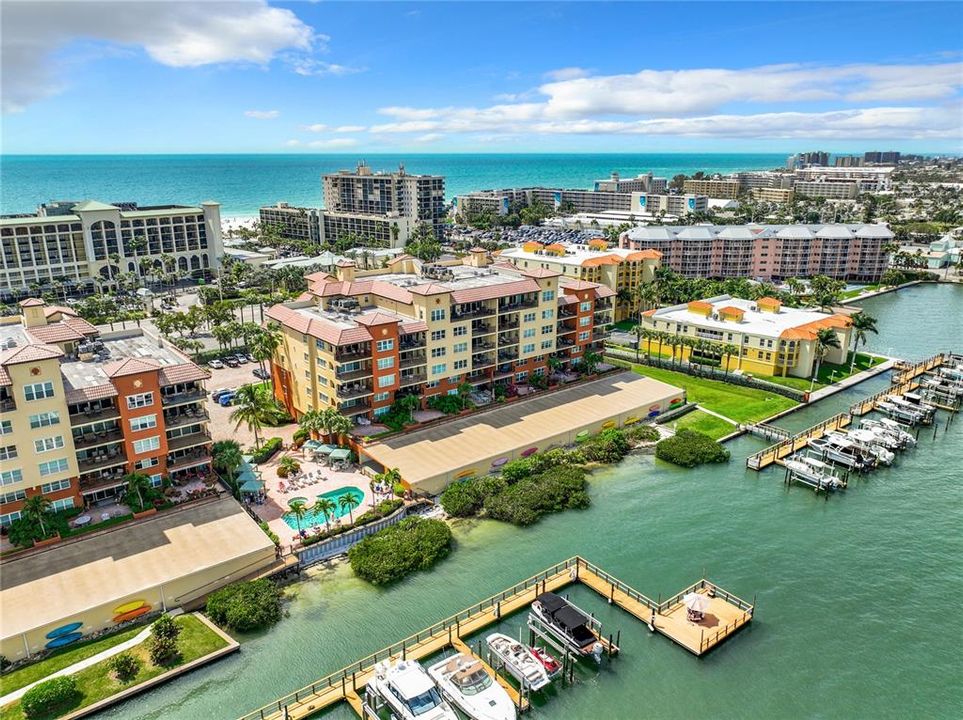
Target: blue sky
249, 76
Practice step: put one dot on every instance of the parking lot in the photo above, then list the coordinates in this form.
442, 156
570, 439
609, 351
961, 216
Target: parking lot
221, 426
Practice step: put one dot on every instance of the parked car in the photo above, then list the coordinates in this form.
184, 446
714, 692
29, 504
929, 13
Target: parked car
262, 374
251, 358
227, 398
241, 358
218, 394
230, 361
216, 364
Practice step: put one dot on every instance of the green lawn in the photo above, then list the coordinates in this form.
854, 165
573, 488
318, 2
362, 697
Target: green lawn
59, 660
742, 404
96, 683
827, 373
705, 423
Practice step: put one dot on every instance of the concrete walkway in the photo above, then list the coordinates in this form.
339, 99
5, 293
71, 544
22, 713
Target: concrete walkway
87, 662
851, 380
713, 412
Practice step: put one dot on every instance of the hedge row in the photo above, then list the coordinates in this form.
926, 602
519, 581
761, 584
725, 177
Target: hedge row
267, 450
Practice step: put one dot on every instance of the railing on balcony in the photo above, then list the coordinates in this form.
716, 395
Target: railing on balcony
103, 479
188, 441
413, 360
413, 379
564, 329
565, 312
507, 325
94, 412
506, 355
564, 342
350, 410
347, 392
99, 460
503, 371
467, 312
508, 339
353, 352
89, 440
354, 374
482, 345
412, 342
482, 361
179, 398
7, 404
480, 328
184, 459
182, 418
515, 306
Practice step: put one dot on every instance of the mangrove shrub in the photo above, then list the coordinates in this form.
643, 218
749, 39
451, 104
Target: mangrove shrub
415, 543
689, 448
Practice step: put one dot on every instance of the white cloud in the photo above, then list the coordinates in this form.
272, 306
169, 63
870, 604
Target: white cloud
349, 128
311, 66
262, 114
429, 138
569, 73
333, 143
316, 128
176, 34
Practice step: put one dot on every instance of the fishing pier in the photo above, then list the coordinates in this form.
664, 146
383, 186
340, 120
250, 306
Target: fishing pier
725, 614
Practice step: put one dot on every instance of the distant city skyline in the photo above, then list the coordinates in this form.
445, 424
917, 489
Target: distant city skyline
252, 76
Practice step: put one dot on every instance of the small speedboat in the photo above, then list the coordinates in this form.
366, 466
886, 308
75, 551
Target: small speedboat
409, 691
552, 666
842, 452
519, 660
815, 473
464, 681
866, 441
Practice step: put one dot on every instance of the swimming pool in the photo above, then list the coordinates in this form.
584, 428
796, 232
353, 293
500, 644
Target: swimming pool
312, 518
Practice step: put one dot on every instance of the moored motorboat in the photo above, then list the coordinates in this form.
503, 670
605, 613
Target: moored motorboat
866, 441
519, 660
842, 452
567, 622
552, 666
464, 681
409, 691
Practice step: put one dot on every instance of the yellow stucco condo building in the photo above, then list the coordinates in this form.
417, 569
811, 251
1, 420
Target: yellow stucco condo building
771, 339
360, 340
615, 268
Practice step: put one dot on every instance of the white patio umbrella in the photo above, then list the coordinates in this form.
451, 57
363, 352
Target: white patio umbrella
696, 602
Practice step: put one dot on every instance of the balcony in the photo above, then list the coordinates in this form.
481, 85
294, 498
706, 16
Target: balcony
507, 339
101, 480
95, 414
468, 312
188, 458
412, 342
482, 361
347, 392
353, 374
480, 328
603, 305
564, 342
188, 441
598, 333
412, 360
507, 355
84, 441
185, 418
524, 302
353, 352
503, 371
7, 404
564, 329
413, 379
356, 409
182, 398
101, 460
507, 325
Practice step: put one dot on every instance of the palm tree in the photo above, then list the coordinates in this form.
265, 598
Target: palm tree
350, 501
299, 510
36, 508
312, 422
265, 343
334, 423
826, 338
139, 486
863, 324
254, 409
729, 350
326, 507
226, 457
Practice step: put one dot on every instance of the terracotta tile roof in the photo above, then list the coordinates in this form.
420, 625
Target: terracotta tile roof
399, 258
809, 330
56, 333
731, 310
30, 353
185, 372
429, 289
649, 313
567, 299
31, 302
328, 287
345, 263
54, 309
375, 318
603, 260
540, 273
317, 327
699, 305
130, 366
306, 295
413, 326
768, 301
604, 291
490, 292
5, 379
647, 254
81, 325
87, 394
572, 284
476, 249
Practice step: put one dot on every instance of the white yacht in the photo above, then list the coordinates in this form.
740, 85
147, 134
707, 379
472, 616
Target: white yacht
867, 441
842, 451
519, 660
814, 473
893, 429
409, 692
896, 412
464, 681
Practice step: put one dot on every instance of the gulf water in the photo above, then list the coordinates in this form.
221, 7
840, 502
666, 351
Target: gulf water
858, 596
243, 183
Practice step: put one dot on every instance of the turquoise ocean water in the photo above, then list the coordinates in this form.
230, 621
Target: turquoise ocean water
243, 183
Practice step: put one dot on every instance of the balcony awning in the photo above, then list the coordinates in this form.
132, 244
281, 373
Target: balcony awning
252, 486
340, 454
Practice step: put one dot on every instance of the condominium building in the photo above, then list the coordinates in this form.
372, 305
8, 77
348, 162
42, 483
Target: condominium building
713, 188
869, 179
83, 243
580, 201
618, 269
890, 157
669, 204
769, 339
645, 183
371, 203
357, 341
293, 223
768, 252
829, 189
82, 409
848, 161
773, 195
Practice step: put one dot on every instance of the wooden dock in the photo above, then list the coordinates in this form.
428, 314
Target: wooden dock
727, 613
904, 372
785, 448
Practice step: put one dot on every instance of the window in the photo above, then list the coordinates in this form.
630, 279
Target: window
431, 384
583, 321
322, 380
547, 329
53, 466
438, 352
460, 330
439, 369
55, 487
146, 463
584, 335
7, 520
378, 412
144, 422
528, 348
50, 443
157, 480
147, 444
548, 295
438, 314
6, 427
38, 391
547, 344
382, 396
139, 401
548, 314
528, 332
386, 380
437, 335
9, 477
10, 451
528, 317
386, 363
385, 345
459, 364
521, 376
585, 306
460, 347
324, 398
58, 505
12, 496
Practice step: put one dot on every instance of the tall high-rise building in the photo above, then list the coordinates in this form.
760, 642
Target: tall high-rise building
875, 157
